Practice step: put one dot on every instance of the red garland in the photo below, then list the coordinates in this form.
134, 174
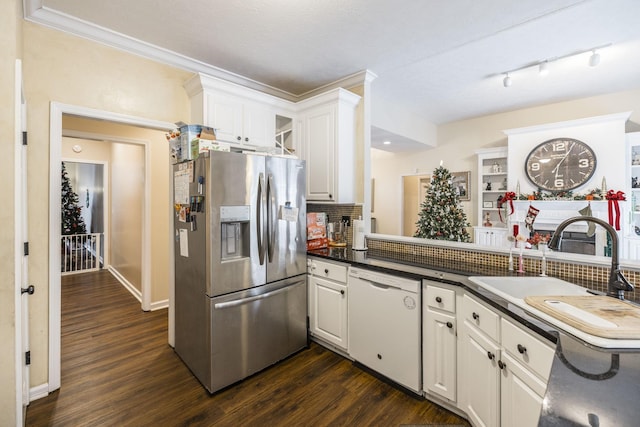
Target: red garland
613, 197
509, 196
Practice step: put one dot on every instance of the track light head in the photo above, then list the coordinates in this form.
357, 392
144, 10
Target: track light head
506, 82
543, 69
594, 59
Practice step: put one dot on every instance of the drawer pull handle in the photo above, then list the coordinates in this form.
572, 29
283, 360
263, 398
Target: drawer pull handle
522, 349
475, 316
449, 325
490, 355
501, 364
326, 271
342, 291
438, 299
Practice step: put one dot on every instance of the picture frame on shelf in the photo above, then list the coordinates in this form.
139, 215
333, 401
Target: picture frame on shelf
487, 205
461, 181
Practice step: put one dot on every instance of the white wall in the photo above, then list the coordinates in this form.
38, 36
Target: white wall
457, 142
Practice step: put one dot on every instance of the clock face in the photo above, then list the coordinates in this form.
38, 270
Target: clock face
560, 164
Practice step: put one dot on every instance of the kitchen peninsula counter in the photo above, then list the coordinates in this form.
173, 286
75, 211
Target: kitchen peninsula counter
587, 386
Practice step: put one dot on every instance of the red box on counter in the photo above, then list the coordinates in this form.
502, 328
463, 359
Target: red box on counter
316, 230
320, 243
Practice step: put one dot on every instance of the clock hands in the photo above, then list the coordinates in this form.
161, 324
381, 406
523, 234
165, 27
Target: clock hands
557, 168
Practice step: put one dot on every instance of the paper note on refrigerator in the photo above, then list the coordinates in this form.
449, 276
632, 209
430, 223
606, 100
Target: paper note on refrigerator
184, 242
288, 213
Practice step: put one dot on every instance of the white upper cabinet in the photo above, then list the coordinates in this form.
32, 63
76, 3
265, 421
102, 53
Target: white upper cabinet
240, 115
326, 125
320, 130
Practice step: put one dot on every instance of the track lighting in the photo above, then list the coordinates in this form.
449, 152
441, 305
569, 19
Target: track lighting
543, 66
507, 80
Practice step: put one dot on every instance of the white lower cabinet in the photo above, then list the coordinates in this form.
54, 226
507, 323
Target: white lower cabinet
505, 369
328, 298
439, 341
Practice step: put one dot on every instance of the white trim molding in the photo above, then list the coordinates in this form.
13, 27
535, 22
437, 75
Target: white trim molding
36, 12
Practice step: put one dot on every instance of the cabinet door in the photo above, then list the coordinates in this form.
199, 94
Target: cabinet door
224, 114
521, 395
328, 311
480, 378
319, 145
439, 354
259, 125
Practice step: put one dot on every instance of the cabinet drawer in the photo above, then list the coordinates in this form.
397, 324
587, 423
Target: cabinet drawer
482, 317
527, 349
329, 270
441, 298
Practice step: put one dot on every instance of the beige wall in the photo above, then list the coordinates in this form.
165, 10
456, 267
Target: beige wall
127, 208
10, 46
457, 142
67, 69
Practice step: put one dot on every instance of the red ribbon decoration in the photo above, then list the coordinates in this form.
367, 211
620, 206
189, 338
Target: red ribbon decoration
613, 197
509, 196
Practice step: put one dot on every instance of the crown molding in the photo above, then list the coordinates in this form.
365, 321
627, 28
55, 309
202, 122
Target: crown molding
36, 12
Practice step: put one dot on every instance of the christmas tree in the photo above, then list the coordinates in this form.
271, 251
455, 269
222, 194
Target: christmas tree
72, 222
441, 216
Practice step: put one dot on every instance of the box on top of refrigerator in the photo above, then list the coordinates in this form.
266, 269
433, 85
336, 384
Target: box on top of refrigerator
190, 132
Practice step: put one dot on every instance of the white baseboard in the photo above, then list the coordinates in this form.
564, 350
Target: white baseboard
158, 305
38, 392
128, 285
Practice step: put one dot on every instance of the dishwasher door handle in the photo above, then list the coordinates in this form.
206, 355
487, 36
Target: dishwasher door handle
377, 284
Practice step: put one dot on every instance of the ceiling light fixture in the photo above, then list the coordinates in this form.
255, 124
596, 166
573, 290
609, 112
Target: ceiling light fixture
594, 59
506, 82
543, 66
387, 142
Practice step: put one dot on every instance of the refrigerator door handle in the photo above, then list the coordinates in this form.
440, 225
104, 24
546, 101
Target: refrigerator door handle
259, 215
271, 218
237, 302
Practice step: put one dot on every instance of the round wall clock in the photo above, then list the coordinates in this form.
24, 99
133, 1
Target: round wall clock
560, 164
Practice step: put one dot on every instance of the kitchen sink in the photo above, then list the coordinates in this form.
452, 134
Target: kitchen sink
515, 289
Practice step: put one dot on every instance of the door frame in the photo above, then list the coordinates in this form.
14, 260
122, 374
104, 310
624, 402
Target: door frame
21, 301
57, 110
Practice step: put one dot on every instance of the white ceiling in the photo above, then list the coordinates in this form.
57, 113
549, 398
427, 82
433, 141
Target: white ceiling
441, 59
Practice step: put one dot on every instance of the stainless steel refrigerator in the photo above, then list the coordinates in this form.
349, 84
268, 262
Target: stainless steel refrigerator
240, 264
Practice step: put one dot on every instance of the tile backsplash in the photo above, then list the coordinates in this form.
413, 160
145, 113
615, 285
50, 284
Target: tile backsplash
594, 277
335, 212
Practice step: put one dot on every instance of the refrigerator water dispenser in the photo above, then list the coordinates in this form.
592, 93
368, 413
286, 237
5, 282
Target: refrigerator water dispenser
234, 232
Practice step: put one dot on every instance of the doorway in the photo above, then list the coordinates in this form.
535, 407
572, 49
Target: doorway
83, 213
414, 191
58, 111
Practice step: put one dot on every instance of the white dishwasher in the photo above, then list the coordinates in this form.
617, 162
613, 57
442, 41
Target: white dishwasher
384, 325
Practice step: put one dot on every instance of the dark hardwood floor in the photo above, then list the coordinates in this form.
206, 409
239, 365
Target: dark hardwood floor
118, 370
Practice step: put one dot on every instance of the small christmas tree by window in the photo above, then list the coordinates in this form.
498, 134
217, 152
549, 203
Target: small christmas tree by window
71, 219
441, 216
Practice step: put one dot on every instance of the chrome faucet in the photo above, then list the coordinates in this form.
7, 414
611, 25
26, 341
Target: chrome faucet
618, 284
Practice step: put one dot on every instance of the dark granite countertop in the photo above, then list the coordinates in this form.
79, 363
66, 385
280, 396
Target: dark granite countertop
587, 386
